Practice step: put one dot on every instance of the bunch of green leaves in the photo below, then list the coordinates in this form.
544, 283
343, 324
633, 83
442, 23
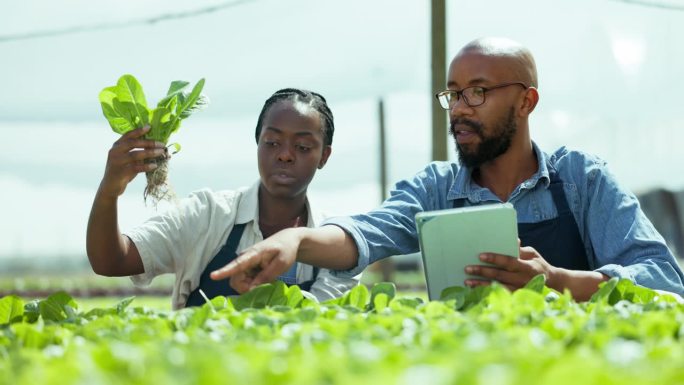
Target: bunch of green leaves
125, 107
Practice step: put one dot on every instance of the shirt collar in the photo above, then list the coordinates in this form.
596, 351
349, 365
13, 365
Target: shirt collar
465, 187
542, 174
248, 207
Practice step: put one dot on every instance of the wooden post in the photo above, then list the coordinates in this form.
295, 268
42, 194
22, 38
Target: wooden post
383, 151
385, 266
438, 78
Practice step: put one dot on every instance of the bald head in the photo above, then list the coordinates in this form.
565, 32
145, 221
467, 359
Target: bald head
514, 56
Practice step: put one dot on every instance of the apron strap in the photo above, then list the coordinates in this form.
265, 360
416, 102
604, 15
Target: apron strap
306, 285
213, 288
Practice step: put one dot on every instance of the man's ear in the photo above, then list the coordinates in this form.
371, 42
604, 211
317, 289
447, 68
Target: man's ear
530, 101
326, 154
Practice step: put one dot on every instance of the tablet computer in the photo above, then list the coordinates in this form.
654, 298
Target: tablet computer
452, 239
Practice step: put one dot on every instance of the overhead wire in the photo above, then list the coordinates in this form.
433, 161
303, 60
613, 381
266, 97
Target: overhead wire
216, 8
123, 24
655, 4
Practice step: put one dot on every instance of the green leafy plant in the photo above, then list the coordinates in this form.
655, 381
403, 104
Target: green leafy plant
626, 334
125, 107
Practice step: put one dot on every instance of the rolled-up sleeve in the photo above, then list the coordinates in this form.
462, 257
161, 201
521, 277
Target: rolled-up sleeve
654, 273
625, 242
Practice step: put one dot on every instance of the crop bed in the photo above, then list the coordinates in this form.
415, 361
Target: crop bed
624, 335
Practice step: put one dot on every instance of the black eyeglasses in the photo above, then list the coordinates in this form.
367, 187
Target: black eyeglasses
473, 96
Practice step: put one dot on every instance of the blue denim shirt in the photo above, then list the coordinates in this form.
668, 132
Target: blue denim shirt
618, 238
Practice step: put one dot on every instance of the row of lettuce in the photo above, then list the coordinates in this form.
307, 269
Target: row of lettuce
625, 334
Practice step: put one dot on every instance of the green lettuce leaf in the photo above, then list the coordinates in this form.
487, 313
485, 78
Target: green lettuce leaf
125, 107
11, 309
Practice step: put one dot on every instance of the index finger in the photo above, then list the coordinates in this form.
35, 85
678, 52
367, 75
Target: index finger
241, 264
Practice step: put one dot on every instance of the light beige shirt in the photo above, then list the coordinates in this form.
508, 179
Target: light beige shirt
184, 239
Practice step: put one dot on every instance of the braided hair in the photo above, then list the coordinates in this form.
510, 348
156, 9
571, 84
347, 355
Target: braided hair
313, 99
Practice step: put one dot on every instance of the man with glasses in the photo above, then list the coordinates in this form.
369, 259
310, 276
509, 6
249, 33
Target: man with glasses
577, 225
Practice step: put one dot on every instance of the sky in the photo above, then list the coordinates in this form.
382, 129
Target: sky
609, 75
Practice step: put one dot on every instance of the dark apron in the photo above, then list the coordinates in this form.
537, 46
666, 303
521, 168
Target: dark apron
557, 240
227, 253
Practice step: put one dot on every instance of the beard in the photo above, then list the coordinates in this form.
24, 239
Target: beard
490, 146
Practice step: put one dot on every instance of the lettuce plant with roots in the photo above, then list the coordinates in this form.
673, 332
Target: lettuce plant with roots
125, 107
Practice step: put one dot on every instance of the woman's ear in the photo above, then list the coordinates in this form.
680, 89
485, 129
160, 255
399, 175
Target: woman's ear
324, 158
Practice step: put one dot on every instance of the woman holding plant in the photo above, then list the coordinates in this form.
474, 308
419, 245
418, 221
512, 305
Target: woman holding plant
206, 230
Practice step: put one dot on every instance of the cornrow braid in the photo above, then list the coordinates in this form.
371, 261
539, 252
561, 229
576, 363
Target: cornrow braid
313, 99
